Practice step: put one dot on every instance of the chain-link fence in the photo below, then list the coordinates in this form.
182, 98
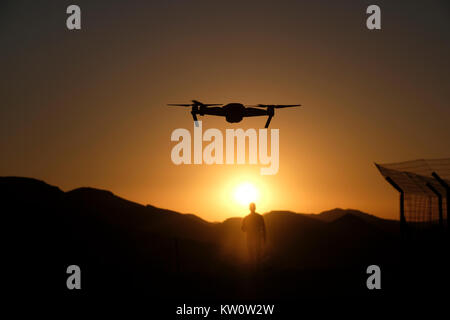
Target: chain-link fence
424, 190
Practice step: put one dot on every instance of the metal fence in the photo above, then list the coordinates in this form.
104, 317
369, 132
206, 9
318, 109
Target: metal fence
424, 191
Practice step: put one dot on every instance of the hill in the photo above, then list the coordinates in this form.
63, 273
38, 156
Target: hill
144, 246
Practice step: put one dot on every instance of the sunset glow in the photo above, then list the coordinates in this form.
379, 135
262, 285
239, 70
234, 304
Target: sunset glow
246, 193
95, 110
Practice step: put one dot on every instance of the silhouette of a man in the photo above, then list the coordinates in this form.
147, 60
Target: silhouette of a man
254, 226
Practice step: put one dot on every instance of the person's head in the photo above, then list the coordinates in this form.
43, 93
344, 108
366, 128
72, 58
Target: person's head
252, 207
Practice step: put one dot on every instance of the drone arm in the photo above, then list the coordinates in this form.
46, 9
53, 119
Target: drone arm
254, 112
212, 111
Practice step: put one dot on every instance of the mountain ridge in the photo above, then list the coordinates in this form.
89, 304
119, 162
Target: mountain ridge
327, 215
109, 235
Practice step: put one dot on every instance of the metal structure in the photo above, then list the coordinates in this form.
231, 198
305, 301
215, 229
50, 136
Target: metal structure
424, 190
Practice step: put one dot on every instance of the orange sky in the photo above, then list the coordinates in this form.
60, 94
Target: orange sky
88, 108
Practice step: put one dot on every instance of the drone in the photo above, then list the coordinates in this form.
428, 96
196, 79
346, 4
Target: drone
233, 112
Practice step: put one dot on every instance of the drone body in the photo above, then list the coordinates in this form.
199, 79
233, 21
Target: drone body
233, 112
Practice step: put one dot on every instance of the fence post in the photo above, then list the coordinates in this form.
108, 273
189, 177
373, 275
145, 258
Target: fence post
402, 204
447, 190
439, 196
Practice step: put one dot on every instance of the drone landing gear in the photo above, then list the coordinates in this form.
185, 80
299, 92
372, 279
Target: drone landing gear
268, 121
194, 116
270, 112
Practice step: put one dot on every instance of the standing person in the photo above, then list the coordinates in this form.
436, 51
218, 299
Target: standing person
253, 225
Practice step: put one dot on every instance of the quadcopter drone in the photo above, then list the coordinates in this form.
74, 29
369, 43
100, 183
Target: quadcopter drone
233, 112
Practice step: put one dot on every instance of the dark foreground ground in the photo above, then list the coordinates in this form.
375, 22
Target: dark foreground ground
127, 251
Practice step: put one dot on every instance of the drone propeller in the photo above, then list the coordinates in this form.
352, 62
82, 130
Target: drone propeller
198, 103
194, 103
276, 106
195, 108
271, 108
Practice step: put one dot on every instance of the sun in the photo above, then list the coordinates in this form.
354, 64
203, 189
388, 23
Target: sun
246, 193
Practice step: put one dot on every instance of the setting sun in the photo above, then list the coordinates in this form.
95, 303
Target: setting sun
246, 193
238, 190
